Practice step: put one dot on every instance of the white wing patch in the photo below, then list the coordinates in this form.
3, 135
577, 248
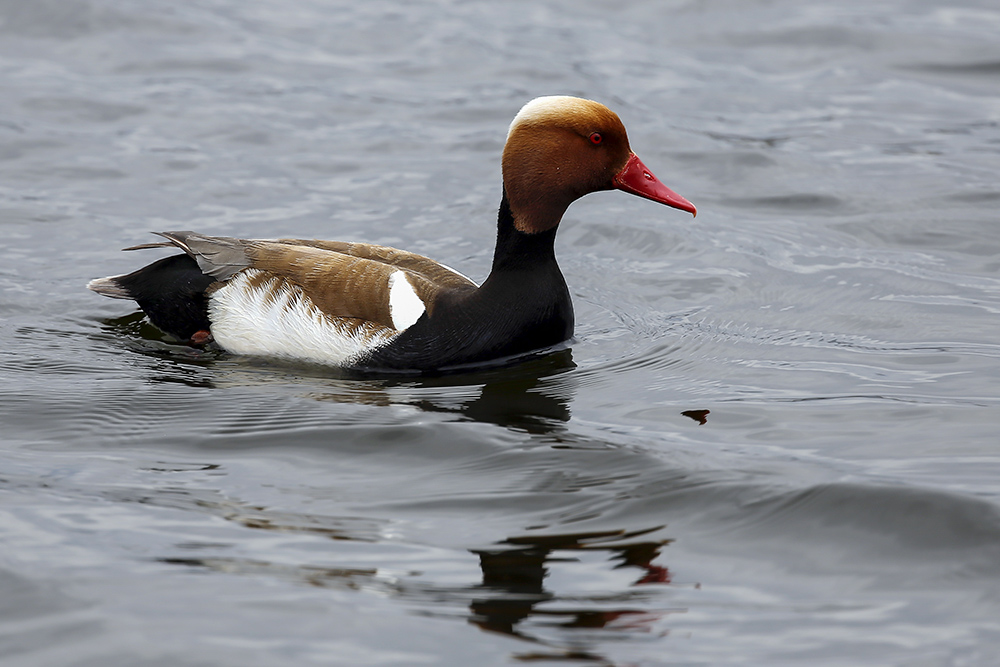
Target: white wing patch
256, 315
405, 306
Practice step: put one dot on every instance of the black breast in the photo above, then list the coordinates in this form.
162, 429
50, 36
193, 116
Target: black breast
523, 305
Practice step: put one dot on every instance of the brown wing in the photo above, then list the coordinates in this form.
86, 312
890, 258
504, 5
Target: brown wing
401, 259
342, 279
352, 279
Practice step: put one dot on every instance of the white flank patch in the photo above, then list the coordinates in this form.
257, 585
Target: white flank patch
405, 306
285, 323
541, 109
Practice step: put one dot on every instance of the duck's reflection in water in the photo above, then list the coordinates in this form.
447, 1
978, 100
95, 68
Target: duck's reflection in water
513, 589
533, 396
512, 598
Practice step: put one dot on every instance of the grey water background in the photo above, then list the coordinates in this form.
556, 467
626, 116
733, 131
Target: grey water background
834, 307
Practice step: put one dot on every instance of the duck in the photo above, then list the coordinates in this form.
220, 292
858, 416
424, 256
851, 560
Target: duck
373, 308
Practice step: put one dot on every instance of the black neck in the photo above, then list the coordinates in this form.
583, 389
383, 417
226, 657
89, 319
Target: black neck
516, 250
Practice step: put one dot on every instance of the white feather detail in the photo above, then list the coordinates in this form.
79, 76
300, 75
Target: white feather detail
268, 316
109, 287
405, 305
459, 273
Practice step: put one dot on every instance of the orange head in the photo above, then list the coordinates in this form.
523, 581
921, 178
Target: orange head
560, 148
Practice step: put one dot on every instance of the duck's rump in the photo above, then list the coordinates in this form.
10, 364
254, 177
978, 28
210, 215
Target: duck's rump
170, 291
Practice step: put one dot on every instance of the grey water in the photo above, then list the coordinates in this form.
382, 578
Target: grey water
773, 440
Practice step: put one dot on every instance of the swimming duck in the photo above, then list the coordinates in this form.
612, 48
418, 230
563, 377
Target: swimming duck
370, 307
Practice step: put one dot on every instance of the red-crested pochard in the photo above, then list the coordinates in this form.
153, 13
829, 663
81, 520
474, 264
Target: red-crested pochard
370, 307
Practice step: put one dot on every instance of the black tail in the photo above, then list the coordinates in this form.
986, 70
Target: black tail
170, 291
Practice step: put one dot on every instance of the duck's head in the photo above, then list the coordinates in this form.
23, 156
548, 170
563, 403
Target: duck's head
560, 148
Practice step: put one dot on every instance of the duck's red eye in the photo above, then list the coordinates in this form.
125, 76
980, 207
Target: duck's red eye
596, 138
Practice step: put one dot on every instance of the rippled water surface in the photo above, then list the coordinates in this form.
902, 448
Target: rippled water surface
774, 440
